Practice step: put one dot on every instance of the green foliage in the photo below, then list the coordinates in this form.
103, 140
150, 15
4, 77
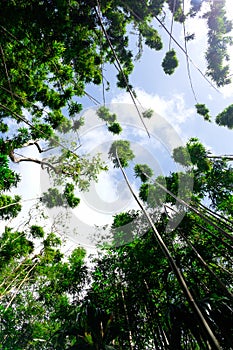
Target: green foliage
122, 149
195, 6
52, 198
13, 245
181, 155
57, 120
225, 118
203, 110
123, 229
80, 170
34, 287
78, 123
216, 54
152, 195
212, 176
110, 119
198, 154
9, 206
104, 114
148, 113
143, 171
170, 62
41, 131
175, 7
136, 283
50, 52
115, 128
3, 127
194, 153
152, 38
122, 219
189, 37
70, 197
8, 178
37, 231
74, 108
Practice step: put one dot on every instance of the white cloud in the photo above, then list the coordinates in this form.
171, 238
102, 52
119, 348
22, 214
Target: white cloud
172, 109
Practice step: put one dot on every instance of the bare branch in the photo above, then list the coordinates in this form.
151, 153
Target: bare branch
34, 160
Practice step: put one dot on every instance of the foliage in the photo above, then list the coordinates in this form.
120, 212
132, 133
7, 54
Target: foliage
70, 197
104, 114
110, 119
136, 284
127, 297
53, 198
78, 123
212, 175
148, 113
218, 41
143, 171
170, 62
194, 153
115, 128
175, 7
152, 195
152, 38
225, 118
8, 178
195, 6
122, 149
203, 110
10, 206
34, 295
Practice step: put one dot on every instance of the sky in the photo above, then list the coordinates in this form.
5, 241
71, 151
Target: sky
173, 123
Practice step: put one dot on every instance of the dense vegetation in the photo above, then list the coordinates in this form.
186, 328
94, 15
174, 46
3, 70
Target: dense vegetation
165, 289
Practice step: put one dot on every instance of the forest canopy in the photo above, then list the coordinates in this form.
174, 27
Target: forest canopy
161, 277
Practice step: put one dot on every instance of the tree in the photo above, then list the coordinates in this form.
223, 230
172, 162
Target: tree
150, 288
225, 118
122, 149
170, 62
143, 171
38, 290
158, 301
115, 128
218, 40
203, 110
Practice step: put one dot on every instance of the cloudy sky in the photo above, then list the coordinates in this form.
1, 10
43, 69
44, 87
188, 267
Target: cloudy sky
173, 123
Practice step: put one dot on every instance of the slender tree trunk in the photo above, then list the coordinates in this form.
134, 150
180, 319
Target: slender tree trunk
219, 217
154, 313
176, 270
203, 262
127, 320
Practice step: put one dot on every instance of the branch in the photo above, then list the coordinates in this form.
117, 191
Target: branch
6, 71
34, 160
35, 143
228, 157
20, 285
187, 60
24, 120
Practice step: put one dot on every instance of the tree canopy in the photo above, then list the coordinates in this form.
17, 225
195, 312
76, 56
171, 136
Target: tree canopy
162, 278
